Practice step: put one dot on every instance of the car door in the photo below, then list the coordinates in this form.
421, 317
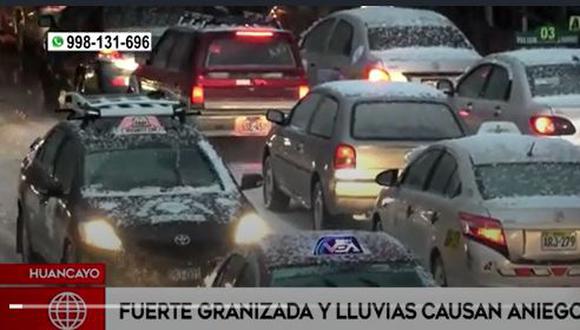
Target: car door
152, 75
496, 94
313, 46
36, 198
410, 205
179, 67
469, 102
336, 59
57, 210
319, 145
288, 158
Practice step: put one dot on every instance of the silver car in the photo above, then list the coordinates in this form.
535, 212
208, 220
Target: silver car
326, 154
538, 89
489, 210
385, 43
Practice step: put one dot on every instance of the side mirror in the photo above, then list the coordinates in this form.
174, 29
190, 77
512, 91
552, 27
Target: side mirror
276, 116
251, 181
388, 178
35, 143
46, 21
446, 86
47, 184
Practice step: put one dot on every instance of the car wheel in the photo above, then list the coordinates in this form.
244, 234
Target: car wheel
377, 224
438, 271
274, 198
320, 216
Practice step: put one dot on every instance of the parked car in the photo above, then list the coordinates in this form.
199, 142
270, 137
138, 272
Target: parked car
385, 43
322, 259
537, 89
229, 71
327, 152
494, 209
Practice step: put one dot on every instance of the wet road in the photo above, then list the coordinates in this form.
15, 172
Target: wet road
22, 119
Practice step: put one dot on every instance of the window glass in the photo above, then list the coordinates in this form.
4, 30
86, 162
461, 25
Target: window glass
554, 79
66, 164
473, 84
181, 55
421, 35
418, 172
230, 271
250, 51
341, 41
162, 52
324, 118
303, 111
247, 278
442, 174
315, 39
498, 85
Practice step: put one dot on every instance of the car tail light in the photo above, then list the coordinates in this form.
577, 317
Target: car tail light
302, 91
377, 74
255, 34
344, 157
120, 81
110, 54
551, 125
484, 230
197, 95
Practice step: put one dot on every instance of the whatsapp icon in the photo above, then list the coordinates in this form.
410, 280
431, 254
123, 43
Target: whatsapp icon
57, 41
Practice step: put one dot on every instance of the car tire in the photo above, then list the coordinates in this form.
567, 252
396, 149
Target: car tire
438, 271
274, 198
321, 219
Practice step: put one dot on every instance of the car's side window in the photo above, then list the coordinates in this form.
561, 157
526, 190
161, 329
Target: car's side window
230, 271
416, 175
181, 55
498, 86
303, 111
49, 149
442, 175
316, 38
161, 55
472, 85
324, 118
341, 40
65, 166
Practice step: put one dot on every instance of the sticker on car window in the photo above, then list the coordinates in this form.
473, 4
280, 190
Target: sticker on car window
140, 125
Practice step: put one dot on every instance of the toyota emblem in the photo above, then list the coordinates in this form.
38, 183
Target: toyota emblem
182, 240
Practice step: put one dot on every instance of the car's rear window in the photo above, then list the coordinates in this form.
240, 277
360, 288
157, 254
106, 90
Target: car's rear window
253, 51
404, 121
528, 179
554, 79
381, 38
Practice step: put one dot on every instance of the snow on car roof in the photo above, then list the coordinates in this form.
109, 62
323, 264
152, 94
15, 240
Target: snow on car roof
298, 249
368, 89
375, 16
543, 56
514, 148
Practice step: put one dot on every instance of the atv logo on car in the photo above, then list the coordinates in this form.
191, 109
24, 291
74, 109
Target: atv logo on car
338, 245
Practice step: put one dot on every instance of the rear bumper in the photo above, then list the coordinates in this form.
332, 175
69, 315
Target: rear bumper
352, 196
234, 122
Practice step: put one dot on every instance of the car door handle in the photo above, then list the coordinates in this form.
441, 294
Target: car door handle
497, 111
410, 211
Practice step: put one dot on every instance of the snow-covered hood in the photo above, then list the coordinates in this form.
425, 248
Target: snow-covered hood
427, 59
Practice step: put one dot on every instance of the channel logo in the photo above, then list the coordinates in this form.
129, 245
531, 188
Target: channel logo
338, 245
67, 311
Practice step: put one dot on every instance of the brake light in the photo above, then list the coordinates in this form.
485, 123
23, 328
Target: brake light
484, 230
551, 125
110, 54
377, 74
257, 34
302, 91
344, 157
120, 81
197, 95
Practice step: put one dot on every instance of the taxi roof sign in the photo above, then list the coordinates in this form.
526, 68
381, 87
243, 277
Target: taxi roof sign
547, 35
338, 245
133, 125
574, 23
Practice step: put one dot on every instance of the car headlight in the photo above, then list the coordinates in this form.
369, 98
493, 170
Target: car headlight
101, 234
251, 228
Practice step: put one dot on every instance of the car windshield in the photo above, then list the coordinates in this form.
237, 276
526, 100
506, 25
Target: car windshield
404, 121
370, 275
555, 79
528, 179
163, 166
250, 51
381, 38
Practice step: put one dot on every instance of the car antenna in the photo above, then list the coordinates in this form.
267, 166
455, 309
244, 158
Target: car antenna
531, 151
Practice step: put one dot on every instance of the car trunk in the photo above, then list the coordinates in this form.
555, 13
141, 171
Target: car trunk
542, 230
377, 156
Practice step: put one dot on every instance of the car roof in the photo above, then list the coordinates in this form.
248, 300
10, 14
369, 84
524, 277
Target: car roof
541, 56
513, 148
388, 16
297, 248
364, 90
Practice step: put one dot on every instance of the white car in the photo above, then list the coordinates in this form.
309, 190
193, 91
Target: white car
491, 209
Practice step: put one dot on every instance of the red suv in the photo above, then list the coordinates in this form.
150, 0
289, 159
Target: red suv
230, 74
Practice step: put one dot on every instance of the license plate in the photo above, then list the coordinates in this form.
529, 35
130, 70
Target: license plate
558, 240
252, 126
184, 274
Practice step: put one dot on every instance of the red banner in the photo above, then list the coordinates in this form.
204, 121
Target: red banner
46, 274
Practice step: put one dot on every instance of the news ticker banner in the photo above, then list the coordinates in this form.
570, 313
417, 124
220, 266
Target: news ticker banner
69, 297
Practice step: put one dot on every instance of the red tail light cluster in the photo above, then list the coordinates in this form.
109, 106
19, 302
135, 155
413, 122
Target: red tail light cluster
110, 54
197, 95
344, 157
484, 230
551, 125
302, 91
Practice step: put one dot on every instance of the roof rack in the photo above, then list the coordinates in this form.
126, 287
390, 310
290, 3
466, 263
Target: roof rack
89, 107
200, 20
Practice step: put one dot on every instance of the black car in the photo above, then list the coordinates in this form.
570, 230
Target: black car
322, 259
130, 184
